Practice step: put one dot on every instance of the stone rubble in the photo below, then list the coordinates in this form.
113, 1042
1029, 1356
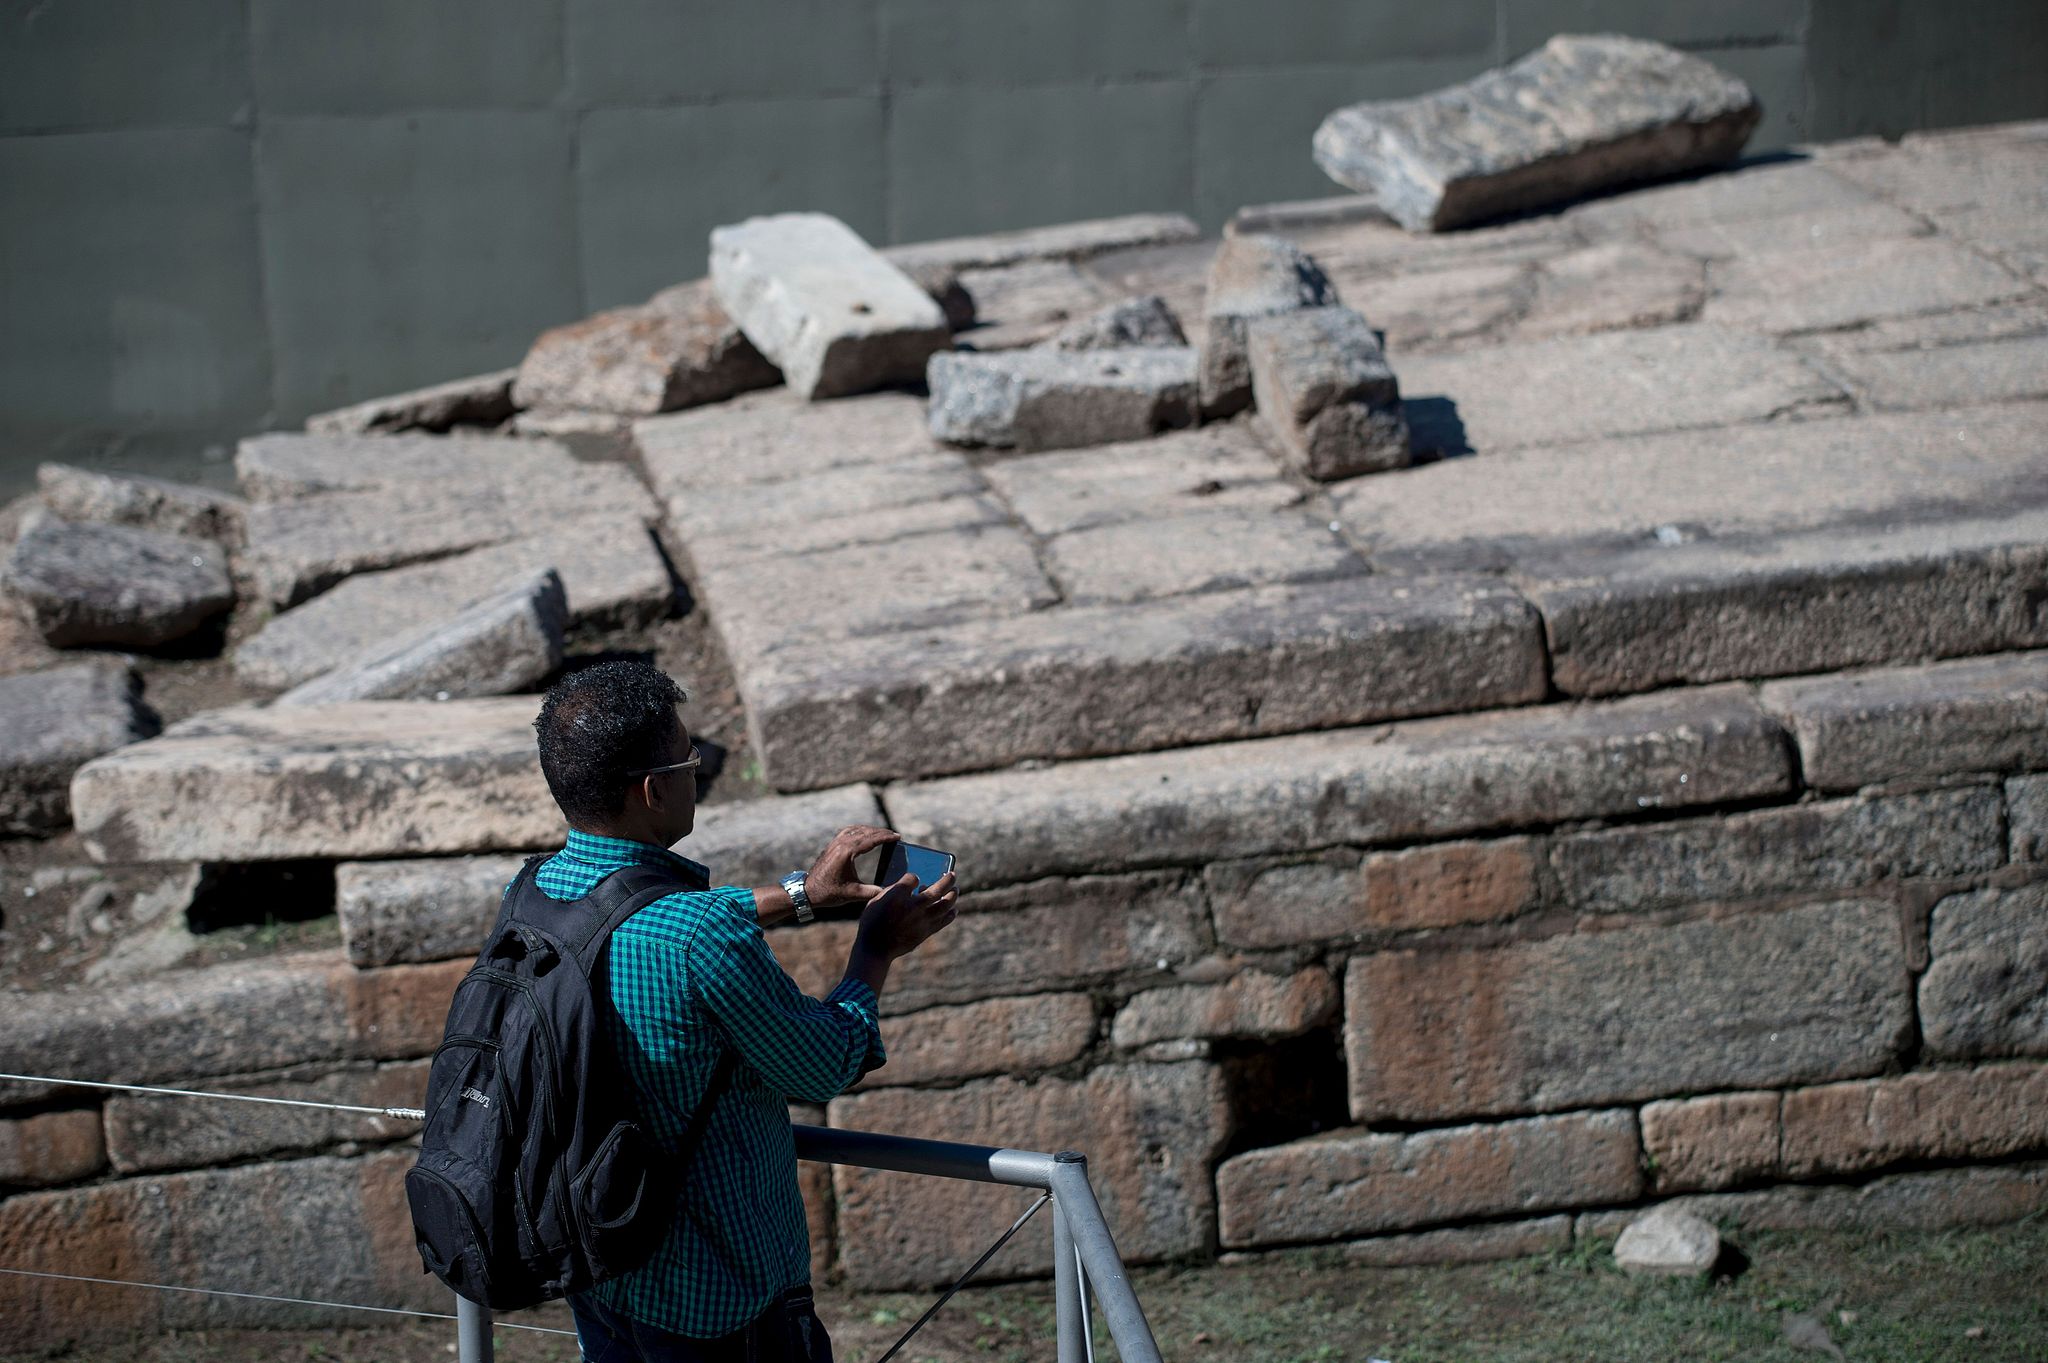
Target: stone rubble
1142, 321
1058, 399
482, 401
85, 495
115, 584
678, 349
1669, 1243
1251, 276
1324, 387
51, 724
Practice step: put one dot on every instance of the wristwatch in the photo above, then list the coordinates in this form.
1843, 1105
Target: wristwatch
793, 883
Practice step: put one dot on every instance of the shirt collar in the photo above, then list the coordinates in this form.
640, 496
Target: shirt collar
608, 854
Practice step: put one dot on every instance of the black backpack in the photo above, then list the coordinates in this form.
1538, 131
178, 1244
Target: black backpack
534, 1178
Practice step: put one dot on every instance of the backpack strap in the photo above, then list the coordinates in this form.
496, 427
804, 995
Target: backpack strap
611, 902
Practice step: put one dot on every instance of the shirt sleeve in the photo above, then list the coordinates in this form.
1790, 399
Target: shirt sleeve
807, 1049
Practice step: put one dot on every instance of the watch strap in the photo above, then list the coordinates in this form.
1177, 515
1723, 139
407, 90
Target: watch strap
793, 885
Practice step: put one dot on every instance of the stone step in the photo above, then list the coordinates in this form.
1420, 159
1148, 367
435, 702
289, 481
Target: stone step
1062, 241
53, 722
776, 437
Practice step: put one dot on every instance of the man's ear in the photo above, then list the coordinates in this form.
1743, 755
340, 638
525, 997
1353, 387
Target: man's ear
649, 791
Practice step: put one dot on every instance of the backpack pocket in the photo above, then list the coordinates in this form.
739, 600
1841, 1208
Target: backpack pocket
448, 1229
618, 1196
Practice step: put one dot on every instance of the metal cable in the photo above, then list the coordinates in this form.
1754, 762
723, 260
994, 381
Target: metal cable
410, 1114
961, 1281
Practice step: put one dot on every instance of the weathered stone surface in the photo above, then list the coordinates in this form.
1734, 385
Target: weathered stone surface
1363, 256
1268, 903
1206, 550
678, 349
776, 437
1935, 1200
1826, 226
1973, 714
562, 423
1177, 272
1057, 399
147, 1132
1668, 1242
1838, 845
51, 1148
1251, 1003
1823, 289
1481, 1244
1450, 883
1950, 376
1780, 192
53, 722
115, 584
366, 779
1993, 1112
1295, 215
798, 516
1709, 610
1255, 276
1150, 1132
86, 495
612, 578
1631, 1014
1446, 309
1986, 992
1216, 467
282, 465
1611, 287
1142, 321
1348, 1183
1080, 681
1324, 387
482, 400
2026, 817
1063, 241
995, 1036
1622, 383
1580, 114
1437, 778
1027, 303
1718, 1141
503, 643
831, 314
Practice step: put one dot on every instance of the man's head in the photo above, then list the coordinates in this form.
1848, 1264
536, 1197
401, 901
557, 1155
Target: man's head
603, 730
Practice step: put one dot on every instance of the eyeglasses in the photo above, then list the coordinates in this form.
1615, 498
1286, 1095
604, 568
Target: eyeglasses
691, 763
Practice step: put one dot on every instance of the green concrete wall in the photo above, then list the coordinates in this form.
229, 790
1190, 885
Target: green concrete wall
217, 215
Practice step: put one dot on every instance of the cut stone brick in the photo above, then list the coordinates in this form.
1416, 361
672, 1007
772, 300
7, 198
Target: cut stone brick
146, 1133
1263, 903
1951, 376
1218, 467
1251, 1003
1028, 303
1151, 1133
995, 1036
366, 779
115, 584
1204, 551
1062, 241
1986, 992
1614, 286
1347, 1183
1825, 289
1840, 845
1251, 277
1627, 1015
2026, 816
282, 465
1080, 681
1058, 399
776, 437
1437, 778
1142, 321
1936, 1200
831, 314
1763, 192
51, 1148
678, 349
1581, 113
781, 520
52, 723
1972, 714
1324, 388
1446, 309
1481, 1244
1831, 226
482, 400
1719, 1141
151, 503
1993, 1112
1448, 884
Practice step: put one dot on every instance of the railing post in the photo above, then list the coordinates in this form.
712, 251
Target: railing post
472, 1331
1104, 1271
1070, 1311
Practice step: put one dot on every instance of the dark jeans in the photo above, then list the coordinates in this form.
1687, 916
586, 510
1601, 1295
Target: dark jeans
608, 1336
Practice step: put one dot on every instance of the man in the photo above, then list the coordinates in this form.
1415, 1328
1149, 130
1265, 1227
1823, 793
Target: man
691, 978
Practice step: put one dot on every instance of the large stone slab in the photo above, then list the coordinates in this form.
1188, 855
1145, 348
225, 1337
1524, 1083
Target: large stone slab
1015, 1036
152, 503
52, 723
1253, 1004
115, 584
1254, 276
482, 400
1972, 714
1799, 996
1347, 1183
1580, 114
678, 349
1058, 399
1084, 680
1201, 551
1948, 376
1986, 990
830, 313
367, 779
1215, 467
1407, 782
1826, 288
1992, 1112
777, 437
825, 510
1324, 387
1062, 241
147, 1132
286, 464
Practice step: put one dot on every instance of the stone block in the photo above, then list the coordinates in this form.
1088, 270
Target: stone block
1081, 681
1057, 399
1251, 1004
50, 1148
1251, 276
1177, 273
1219, 467
1481, 1244
281, 465
77, 494
146, 1133
1151, 1133
1347, 1183
1141, 321
1447, 884
1827, 226
857, 503
1833, 846
1579, 114
1939, 1199
1828, 288
1952, 376
1993, 1112
1324, 387
115, 584
481, 400
775, 437
1986, 990
1629, 1014
1972, 714
1722, 1140
612, 580
1710, 610
1614, 286
1013, 1036
678, 349
1029, 302
818, 301
1062, 241
503, 643
365, 779
1203, 551
1268, 903
2026, 817
53, 722
1427, 779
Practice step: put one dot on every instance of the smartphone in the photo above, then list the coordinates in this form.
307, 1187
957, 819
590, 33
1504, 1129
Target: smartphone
907, 858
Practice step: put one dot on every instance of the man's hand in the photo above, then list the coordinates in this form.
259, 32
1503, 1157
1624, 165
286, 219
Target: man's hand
901, 918
831, 881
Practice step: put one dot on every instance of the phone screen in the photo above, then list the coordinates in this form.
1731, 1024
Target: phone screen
926, 863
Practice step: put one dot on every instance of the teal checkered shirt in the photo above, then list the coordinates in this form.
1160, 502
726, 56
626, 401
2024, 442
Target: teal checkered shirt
691, 977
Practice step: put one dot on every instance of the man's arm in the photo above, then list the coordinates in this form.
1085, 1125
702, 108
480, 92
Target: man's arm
830, 883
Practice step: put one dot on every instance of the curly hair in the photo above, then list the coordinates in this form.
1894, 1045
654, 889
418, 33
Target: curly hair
598, 724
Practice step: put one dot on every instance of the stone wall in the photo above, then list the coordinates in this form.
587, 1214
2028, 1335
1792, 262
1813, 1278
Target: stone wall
227, 214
